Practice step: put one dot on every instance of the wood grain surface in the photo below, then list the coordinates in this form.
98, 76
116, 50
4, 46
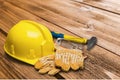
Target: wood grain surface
69, 17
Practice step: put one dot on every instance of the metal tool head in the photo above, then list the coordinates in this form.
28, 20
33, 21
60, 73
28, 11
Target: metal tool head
91, 43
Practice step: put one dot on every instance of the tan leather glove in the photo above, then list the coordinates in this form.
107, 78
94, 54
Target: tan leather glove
63, 58
46, 65
69, 58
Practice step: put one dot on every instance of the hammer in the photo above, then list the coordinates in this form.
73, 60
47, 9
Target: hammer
89, 42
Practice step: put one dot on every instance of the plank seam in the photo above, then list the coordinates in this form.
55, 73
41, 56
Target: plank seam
96, 7
3, 32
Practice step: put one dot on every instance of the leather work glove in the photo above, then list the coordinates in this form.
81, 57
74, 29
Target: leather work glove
63, 58
46, 65
69, 58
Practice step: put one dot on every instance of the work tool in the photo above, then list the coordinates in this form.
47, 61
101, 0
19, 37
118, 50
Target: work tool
89, 42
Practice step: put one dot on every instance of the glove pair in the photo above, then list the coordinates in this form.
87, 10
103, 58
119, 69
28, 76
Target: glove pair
63, 58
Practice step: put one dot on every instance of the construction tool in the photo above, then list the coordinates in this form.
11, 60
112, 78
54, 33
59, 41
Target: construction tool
89, 42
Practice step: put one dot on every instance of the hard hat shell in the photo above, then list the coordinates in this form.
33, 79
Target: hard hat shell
27, 41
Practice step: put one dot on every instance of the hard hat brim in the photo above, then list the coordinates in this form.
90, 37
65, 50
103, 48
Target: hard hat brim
31, 62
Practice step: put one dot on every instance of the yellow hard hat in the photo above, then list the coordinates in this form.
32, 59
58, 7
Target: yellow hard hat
27, 41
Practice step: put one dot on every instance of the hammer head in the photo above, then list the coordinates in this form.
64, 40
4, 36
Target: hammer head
91, 43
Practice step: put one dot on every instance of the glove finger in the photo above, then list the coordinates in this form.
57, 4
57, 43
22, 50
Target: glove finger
53, 71
65, 61
44, 61
58, 58
74, 64
85, 57
44, 70
38, 65
81, 59
65, 67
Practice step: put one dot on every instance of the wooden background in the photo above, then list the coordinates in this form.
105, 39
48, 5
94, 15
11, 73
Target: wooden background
69, 17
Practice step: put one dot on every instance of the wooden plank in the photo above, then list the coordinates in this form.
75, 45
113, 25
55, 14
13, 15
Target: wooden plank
108, 5
88, 11
106, 35
98, 14
95, 64
93, 14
